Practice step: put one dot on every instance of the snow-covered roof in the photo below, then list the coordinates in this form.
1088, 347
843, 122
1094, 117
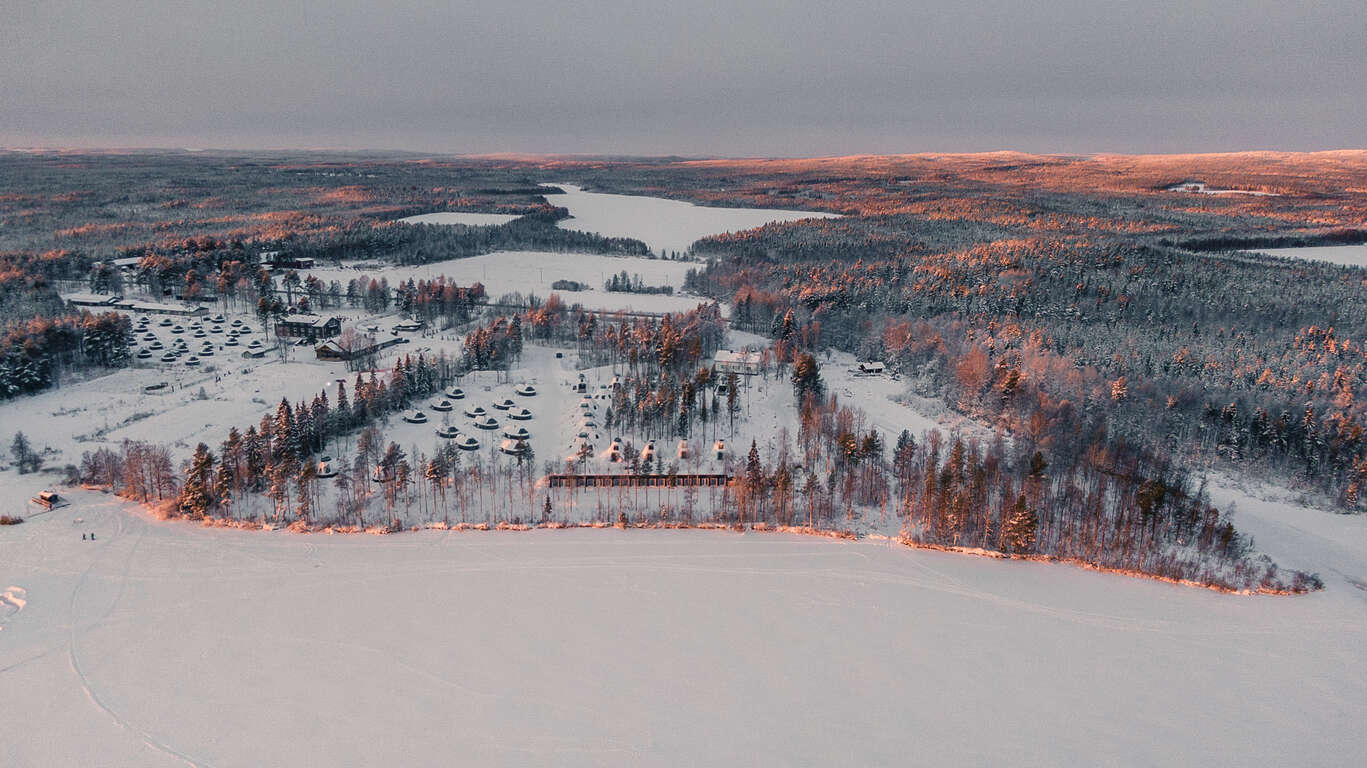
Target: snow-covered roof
740, 362
151, 306
732, 356
297, 319
90, 298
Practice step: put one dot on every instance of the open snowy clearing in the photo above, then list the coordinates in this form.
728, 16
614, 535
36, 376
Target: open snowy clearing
1200, 187
459, 217
113, 408
532, 272
172, 644
1344, 255
128, 404
663, 224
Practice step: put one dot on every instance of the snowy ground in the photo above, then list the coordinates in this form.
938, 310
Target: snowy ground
885, 401
665, 225
108, 409
171, 644
532, 272
1345, 255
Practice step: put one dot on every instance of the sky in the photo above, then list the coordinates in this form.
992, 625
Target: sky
686, 77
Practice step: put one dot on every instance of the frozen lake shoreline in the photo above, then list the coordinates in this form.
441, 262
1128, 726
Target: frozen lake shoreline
459, 217
1343, 255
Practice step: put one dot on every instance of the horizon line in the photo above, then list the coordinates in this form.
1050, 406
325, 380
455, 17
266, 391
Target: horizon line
627, 157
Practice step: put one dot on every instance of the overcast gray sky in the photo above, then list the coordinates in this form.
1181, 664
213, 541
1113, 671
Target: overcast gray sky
716, 77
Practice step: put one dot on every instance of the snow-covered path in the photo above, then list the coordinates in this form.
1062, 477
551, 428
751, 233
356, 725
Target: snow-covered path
171, 644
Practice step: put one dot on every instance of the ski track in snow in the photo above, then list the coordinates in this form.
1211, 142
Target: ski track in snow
73, 658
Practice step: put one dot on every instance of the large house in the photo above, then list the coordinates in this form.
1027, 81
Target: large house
311, 327
740, 363
278, 260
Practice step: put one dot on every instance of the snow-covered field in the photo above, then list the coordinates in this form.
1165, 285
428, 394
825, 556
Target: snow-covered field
664, 225
459, 217
1345, 255
171, 644
532, 272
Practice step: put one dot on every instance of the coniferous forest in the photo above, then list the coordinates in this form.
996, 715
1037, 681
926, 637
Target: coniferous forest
1116, 325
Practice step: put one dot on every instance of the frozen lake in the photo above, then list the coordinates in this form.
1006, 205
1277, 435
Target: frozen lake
664, 225
171, 644
1344, 255
459, 217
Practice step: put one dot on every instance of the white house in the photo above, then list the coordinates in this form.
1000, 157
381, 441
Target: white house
739, 363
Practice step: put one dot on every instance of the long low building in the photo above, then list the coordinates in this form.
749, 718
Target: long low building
635, 481
332, 349
104, 301
91, 299
153, 308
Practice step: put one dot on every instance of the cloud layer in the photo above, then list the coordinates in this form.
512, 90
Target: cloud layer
739, 77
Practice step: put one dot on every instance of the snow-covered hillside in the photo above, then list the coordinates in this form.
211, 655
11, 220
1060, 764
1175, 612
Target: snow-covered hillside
170, 644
